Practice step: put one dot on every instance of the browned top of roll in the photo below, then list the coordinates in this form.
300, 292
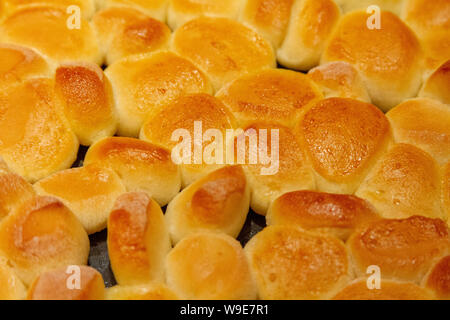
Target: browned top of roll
182, 114
270, 95
310, 209
55, 285
387, 53
288, 263
43, 234
45, 28
403, 249
423, 123
342, 135
14, 192
19, 63
390, 290
438, 278
223, 48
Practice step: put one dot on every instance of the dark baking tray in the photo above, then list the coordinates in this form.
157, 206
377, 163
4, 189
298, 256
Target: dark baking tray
98, 256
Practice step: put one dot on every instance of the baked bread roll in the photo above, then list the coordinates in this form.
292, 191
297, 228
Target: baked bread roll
42, 235
154, 8
19, 63
45, 28
140, 292
268, 17
190, 113
182, 11
222, 48
282, 169
402, 249
123, 31
290, 264
343, 138
87, 7
87, 101
389, 59
143, 85
405, 182
424, 124
89, 192
394, 6
390, 290
141, 165
14, 192
11, 287
430, 20
438, 279
271, 95
138, 240
436, 86
218, 202
325, 213
340, 80
35, 139
209, 266
311, 24
68, 283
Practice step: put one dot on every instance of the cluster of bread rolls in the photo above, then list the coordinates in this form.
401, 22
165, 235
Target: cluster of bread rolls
362, 113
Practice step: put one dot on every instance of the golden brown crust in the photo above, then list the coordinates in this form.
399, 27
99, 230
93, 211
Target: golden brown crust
32, 128
390, 290
154, 8
322, 212
269, 17
14, 192
87, 101
311, 24
288, 263
124, 31
222, 48
45, 29
436, 86
138, 240
403, 249
87, 6
388, 58
183, 113
438, 279
424, 124
405, 182
42, 235
343, 137
68, 283
209, 266
341, 80
144, 85
271, 95
141, 165
431, 21
218, 202
19, 63
141, 292
288, 169
90, 192
182, 11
